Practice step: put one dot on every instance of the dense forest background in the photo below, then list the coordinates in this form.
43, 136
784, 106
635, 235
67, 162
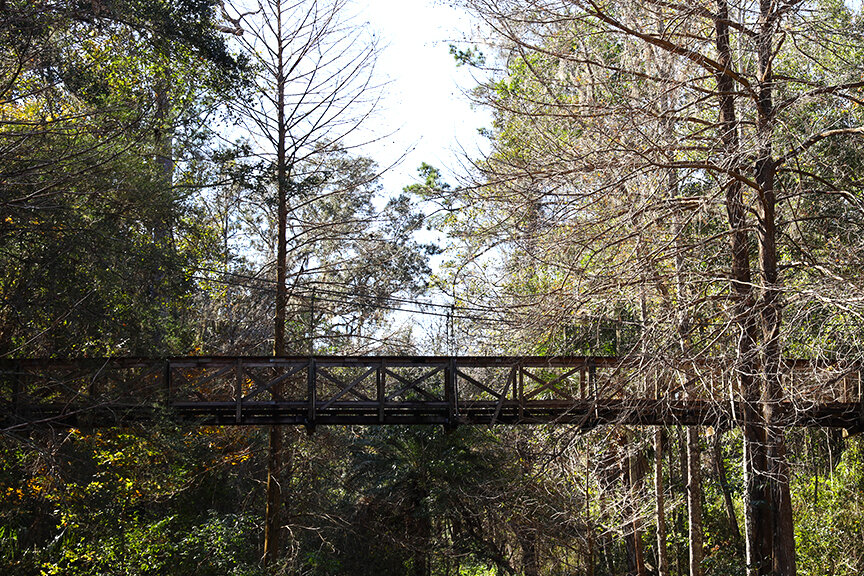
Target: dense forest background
666, 181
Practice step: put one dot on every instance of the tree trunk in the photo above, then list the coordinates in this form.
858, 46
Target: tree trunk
633, 475
681, 485
757, 510
662, 559
163, 230
694, 500
530, 557
272, 518
771, 309
526, 534
692, 452
588, 525
273, 512
421, 534
163, 133
758, 517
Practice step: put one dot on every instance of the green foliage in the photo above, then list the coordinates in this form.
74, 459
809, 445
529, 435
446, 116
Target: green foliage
829, 512
95, 238
468, 57
120, 502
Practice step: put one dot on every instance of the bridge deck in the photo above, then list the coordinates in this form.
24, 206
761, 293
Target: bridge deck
341, 390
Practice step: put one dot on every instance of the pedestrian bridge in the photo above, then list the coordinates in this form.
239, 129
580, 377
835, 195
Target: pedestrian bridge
449, 390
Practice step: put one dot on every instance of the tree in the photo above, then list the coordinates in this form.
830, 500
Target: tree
313, 74
586, 120
81, 197
353, 258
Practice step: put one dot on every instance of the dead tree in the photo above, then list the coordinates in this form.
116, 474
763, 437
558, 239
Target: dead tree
313, 73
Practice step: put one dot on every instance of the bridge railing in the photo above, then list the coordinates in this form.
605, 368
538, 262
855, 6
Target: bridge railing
369, 390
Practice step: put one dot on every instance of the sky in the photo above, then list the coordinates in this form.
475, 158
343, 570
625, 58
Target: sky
424, 104
425, 111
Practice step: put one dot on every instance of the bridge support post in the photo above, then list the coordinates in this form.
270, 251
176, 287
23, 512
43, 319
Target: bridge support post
311, 376
520, 392
238, 391
450, 392
379, 391
166, 377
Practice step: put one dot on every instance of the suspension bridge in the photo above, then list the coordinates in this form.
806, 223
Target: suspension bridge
375, 390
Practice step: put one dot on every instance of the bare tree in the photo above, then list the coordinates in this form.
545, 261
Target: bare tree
313, 74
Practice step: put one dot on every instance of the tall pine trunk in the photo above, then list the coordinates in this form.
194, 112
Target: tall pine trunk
163, 228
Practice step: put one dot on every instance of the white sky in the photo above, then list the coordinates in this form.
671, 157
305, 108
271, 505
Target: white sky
424, 102
424, 105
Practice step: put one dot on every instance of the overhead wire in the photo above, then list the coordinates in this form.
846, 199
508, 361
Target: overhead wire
351, 298
346, 300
